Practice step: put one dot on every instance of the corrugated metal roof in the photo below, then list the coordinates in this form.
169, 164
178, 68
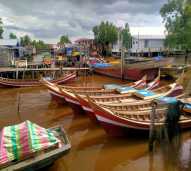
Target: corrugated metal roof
8, 42
149, 36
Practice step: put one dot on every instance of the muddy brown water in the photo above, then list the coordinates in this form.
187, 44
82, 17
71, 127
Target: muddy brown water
92, 149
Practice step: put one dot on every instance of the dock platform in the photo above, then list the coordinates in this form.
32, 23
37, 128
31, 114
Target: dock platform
10, 69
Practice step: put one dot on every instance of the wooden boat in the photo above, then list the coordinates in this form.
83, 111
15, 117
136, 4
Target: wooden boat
60, 93
186, 105
134, 71
126, 100
44, 158
78, 105
137, 84
56, 93
71, 98
5, 82
118, 123
174, 71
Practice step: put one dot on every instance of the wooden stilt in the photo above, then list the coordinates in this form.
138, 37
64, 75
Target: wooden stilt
152, 132
23, 74
33, 75
17, 73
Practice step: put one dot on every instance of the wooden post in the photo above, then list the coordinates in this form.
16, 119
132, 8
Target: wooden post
18, 107
33, 74
152, 137
17, 73
23, 74
53, 74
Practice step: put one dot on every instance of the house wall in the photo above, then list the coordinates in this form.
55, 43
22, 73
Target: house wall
6, 57
146, 45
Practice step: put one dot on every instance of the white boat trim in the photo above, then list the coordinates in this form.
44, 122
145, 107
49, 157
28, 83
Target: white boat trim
87, 109
71, 101
56, 94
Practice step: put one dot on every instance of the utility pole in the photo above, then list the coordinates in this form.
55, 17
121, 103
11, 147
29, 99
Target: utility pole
138, 43
122, 56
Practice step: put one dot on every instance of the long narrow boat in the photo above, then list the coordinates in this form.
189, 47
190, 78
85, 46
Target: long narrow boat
118, 123
126, 100
142, 83
169, 90
56, 93
5, 82
59, 93
186, 102
134, 71
34, 149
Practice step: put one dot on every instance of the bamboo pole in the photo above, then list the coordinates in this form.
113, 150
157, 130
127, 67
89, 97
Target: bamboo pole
152, 137
18, 106
17, 73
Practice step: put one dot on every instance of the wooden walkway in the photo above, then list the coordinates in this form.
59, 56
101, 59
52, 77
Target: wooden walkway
10, 69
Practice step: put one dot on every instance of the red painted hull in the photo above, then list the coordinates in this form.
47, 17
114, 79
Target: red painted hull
73, 102
118, 126
117, 130
11, 83
63, 98
57, 97
129, 74
87, 109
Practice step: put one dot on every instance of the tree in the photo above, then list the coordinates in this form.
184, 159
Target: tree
1, 29
25, 40
12, 36
64, 39
105, 34
177, 18
126, 36
39, 44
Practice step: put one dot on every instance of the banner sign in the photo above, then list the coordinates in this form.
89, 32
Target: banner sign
21, 63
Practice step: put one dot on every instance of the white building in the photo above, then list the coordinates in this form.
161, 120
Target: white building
143, 44
10, 51
147, 43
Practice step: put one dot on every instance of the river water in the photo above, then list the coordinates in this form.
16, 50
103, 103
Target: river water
92, 149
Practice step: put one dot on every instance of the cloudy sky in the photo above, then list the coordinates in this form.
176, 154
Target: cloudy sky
49, 19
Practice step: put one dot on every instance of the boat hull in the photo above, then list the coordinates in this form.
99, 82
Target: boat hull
43, 160
87, 108
11, 83
73, 102
57, 97
129, 74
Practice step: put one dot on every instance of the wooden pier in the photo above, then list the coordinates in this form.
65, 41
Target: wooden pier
10, 69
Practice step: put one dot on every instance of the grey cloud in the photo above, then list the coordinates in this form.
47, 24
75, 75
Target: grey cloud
77, 17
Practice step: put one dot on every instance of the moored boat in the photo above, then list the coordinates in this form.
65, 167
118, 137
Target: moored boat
29, 146
174, 71
118, 123
14, 83
58, 95
125, 100
137, 84
134, 71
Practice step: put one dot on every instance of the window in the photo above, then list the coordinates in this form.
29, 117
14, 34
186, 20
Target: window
146, 43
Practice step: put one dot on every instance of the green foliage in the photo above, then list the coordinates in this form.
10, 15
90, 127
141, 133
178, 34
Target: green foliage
25, 40
39, 44
12, 36
105, 33
126, 36
177, 18
64, 39
1, 29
